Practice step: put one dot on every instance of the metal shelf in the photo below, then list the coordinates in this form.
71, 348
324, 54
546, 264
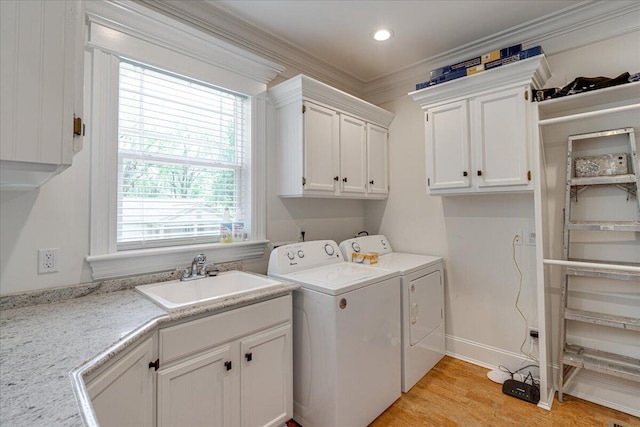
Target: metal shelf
603, 269
602, 362
630, 323
604, 225
603, 180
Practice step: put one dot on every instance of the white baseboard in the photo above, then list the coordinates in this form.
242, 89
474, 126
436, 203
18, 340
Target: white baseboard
483, 355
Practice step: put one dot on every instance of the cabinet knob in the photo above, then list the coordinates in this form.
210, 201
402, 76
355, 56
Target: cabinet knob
155, 365
336, 178
249, 357
227, 365
464, 173
479, 173
371, 182
344, 179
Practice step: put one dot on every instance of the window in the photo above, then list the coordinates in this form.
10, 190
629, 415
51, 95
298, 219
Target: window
183, 158
149, 213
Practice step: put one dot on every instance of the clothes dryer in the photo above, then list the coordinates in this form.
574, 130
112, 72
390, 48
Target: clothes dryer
346, 335
422, 303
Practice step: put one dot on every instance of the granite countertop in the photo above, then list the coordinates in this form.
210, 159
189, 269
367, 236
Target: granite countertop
46, 349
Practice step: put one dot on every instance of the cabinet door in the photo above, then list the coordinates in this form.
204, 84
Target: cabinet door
267, 378
447, 146
41, 64
353, 145
320, 148
123, 395
377, 159
198, 391
499, 133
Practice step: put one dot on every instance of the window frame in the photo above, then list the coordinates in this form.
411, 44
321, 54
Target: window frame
137, 33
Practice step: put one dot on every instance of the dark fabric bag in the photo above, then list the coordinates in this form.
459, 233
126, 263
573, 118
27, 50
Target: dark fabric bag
585, 84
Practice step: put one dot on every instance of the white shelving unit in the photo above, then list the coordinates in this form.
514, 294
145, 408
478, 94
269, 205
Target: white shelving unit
561, 120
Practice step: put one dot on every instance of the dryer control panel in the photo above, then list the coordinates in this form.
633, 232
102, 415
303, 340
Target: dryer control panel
301, 256
364, 245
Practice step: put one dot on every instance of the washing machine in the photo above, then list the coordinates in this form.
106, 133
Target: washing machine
422, 303
346, 335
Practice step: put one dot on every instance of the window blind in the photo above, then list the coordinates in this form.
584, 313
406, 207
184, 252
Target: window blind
182, 158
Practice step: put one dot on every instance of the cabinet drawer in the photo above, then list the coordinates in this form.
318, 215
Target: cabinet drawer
192, 337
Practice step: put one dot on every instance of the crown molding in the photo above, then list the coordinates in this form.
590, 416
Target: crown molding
303, 87
133, 29
209, 17
586, 22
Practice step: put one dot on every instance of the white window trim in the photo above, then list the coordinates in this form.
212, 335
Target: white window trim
152, 34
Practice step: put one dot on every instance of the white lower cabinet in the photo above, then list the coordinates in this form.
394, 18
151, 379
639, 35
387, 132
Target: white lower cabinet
198, 391
265, 378
228, 369
123, 394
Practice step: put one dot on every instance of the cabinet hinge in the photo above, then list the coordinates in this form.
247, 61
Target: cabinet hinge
426, 116
77, 126
526, 95
529, 175
304, 109
304, 181
428, 182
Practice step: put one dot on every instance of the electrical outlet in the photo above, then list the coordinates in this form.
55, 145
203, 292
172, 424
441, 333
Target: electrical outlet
48, 260
531, 238
518, 238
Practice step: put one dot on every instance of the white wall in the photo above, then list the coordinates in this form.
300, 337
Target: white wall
474, 234
54, 216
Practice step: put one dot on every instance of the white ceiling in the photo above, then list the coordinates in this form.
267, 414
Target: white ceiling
339, 32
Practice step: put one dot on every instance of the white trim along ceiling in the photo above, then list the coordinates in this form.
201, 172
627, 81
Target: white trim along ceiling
582, 23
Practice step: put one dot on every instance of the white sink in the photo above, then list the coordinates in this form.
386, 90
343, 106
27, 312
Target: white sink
178, 294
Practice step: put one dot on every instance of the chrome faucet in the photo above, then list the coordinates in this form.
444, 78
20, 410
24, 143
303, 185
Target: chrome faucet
198, 269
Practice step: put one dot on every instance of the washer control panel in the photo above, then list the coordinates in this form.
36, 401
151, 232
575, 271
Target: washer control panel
301, 256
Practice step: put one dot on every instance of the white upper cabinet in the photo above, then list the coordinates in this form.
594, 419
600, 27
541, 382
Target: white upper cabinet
499, 129
321, 145
42, 73
478, 129
447, 146
329, 143
353, 162
377, 160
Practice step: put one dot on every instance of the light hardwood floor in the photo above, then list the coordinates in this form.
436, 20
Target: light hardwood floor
456, 393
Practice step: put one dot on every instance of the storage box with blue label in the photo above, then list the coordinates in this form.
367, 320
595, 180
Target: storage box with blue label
471, 66
528, 53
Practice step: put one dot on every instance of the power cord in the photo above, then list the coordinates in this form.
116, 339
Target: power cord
529, 378
526, 322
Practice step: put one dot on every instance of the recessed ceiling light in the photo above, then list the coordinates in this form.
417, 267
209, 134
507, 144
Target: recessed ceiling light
382, 35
